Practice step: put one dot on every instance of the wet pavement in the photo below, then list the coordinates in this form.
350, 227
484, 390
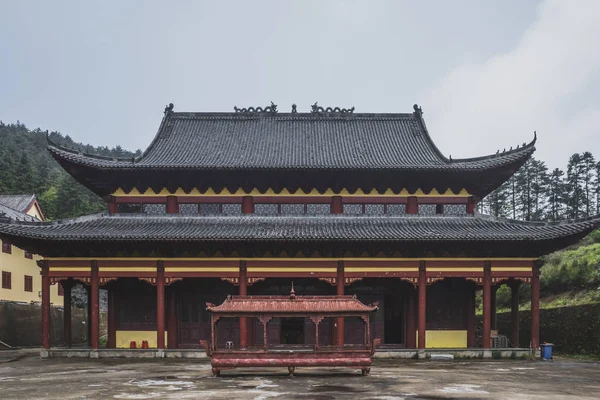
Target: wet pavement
28, 377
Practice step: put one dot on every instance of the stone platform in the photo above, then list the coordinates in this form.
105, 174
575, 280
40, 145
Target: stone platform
387, 353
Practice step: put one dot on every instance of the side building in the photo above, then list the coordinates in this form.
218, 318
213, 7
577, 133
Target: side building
21, 280
337, 202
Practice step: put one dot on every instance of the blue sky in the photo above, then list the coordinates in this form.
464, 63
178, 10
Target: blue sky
487, 73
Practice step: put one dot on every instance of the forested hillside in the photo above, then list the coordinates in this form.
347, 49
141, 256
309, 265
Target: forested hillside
26, 167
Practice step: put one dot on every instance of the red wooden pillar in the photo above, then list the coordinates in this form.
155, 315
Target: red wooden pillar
112, 318
535, 306
412, 205
411, 319
112, 205
471, 204
88, 292
247, 205
339, 335
337, 206
514, 312
487, 302
243, 292
67, 285
172, 320
160, 305
422, 304
95, 313
45, 306
493, 322
172, 205
471, 320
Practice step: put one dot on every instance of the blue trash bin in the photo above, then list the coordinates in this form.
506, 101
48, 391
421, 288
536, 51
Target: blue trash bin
546, 350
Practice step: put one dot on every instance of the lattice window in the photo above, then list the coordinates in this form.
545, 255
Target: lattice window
292, 209
188, 208
396, 209
129, 208
353, 209
231, 209
210, 209
374, 209
318, 209
6, 247
266, 209
6, 280
154, 209
455, 209
427, 209
28, 283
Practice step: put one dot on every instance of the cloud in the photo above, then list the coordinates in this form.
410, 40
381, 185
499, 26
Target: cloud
549, 82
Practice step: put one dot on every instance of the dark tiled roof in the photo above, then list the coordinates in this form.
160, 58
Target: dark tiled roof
120, 228
18, 202
286, 305
7, 212
247, 141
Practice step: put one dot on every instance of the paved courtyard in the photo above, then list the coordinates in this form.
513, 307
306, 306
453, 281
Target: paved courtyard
28, 377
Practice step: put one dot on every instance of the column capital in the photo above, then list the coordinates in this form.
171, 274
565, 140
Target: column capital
340, 266
160, 266
487, 266
243, 265
537, 264
422, 265
94, 264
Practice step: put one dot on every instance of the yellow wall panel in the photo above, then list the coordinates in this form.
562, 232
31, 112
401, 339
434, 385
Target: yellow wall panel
125, 337
444, 339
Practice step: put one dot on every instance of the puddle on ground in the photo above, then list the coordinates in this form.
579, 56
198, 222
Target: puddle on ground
334, 388
464, 388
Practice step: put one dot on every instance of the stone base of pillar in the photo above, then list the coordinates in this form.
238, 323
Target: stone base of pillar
44, 353
94, 354
421, 354
487, 353
160, 353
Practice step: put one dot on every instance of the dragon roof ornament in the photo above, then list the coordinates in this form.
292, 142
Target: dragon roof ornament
316, 109
268, 109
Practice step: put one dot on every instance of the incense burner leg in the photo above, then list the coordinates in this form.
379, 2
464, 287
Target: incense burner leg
291, 371
366, 371
216, 372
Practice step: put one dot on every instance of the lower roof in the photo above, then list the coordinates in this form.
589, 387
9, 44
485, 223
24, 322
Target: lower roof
291, 305
254, 228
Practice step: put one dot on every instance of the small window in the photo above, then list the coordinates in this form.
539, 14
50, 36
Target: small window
318, 209
231, 209
353, 209
188, 208
28, 283
6, 280
266, 209
61, 289
374, 209
129, 208
28, 255
6, 248
427, 209
154, 209
396, 209
292, 209
210, 209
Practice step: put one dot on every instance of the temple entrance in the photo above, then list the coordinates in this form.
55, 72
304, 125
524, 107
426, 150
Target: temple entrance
292, 331
393, 321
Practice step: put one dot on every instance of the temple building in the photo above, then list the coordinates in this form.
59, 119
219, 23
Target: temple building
21, 280
337, 202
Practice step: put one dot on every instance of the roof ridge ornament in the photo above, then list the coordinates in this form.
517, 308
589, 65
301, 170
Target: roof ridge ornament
169, 108
292, 292
268, 109
418, 110
317, 109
